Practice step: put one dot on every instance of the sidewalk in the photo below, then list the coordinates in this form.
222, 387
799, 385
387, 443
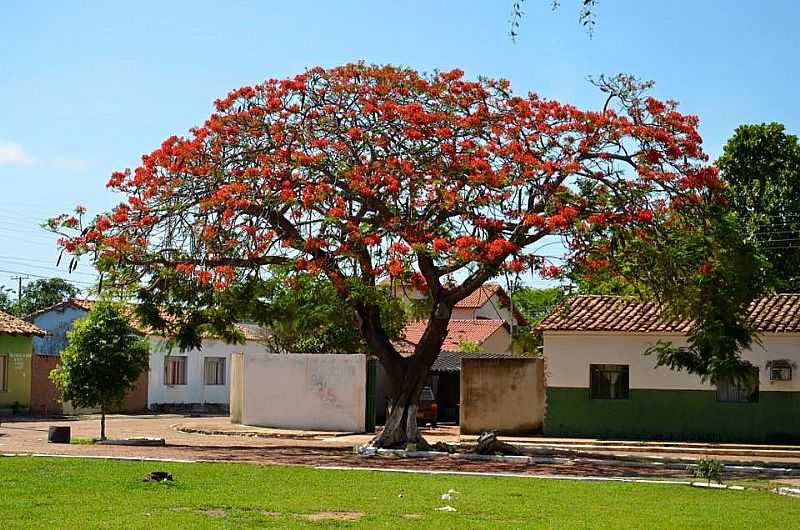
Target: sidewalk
787, 456
234, 443
657, 449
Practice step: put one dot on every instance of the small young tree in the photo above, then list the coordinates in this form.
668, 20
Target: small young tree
102, 361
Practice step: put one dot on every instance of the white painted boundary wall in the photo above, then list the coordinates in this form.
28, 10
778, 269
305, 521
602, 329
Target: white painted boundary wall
321, 392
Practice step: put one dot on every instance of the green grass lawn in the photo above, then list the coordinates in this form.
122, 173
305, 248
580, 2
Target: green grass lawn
84, 493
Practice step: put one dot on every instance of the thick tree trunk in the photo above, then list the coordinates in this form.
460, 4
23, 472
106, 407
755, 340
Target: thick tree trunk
401, 421
102, 422
407, 374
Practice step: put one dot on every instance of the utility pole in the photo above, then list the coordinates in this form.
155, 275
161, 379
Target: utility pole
19, 287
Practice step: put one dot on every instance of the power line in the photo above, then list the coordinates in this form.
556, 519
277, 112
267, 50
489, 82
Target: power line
18, 263
17, 258
38, 276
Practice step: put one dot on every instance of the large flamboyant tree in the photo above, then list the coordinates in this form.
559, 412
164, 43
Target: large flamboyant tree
363, 172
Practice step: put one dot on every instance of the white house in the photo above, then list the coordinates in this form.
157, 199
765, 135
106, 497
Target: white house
488, 302
599, 383
198, 379
195, 379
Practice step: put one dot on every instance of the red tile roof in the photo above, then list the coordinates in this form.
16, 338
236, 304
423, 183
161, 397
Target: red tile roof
480, 296
779, 313
458, 332
77, 303
11, 325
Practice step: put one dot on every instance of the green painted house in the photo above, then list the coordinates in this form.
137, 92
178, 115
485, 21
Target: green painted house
16, 346
599, 383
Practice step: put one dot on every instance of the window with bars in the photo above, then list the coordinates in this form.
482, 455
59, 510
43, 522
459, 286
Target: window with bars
739, 390
214, 371
3, 373
609, 381
175, 370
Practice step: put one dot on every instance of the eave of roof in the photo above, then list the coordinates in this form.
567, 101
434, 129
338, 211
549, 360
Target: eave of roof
11, 325
779, 313
76, 303
450, 361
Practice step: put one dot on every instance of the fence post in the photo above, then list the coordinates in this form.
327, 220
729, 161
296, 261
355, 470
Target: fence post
372, 384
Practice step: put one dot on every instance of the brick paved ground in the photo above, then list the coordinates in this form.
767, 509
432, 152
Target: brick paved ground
312, 449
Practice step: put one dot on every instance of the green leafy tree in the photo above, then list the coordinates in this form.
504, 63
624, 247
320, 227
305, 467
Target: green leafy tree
469, 346
43, 293
6, 302
761, 165
102, 361
534, 304
306, 314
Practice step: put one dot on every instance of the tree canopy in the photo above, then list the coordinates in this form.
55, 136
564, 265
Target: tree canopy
364, 172
6, 302
36, 295
102, 360
305, 313
761, 166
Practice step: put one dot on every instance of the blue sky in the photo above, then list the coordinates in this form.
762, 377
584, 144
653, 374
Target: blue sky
87, 87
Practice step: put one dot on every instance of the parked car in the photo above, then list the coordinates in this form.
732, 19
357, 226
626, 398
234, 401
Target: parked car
427, 409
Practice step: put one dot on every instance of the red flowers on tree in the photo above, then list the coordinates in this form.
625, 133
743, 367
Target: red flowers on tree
364, 171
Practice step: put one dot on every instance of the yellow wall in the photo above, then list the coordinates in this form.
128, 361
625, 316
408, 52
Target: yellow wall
502, 395
18, 349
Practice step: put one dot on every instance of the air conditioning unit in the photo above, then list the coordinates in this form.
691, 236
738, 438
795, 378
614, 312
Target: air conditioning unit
780, 370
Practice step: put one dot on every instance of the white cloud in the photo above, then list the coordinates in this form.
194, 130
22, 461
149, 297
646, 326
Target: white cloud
69, 164
12, 154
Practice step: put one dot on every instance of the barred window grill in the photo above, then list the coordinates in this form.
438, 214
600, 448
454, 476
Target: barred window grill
780, 370
739, 390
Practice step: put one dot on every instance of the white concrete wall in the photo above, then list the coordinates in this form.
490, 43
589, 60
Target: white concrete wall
568, 356
463, 313
493, 309
194, 391
497, 342
304, 391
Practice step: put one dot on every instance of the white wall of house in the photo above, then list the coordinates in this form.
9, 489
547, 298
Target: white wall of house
301, 391
494, 309
195, 391
497, 342
569, 354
